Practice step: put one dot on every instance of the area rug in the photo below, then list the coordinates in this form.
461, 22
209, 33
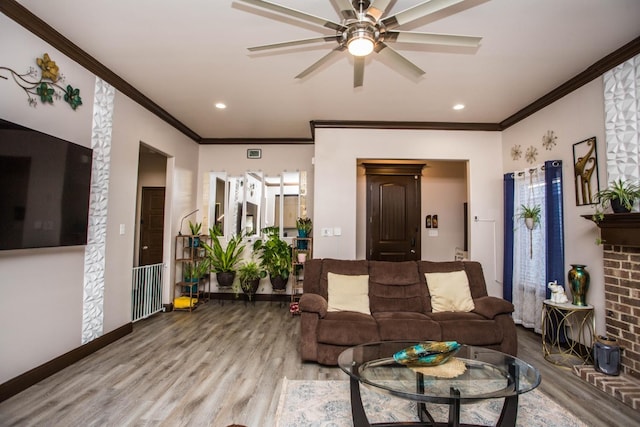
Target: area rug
327, 404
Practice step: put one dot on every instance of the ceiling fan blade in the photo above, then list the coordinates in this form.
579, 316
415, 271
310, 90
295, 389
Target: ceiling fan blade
346, 9
432, 38
417, 12
358, 71
398, 59
319, 62
293, 43
377, 9
296, 14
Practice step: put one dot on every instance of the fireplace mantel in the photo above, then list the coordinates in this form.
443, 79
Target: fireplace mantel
619, 229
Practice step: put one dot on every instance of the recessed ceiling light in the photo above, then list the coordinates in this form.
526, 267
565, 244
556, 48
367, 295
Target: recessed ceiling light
458, 107
221, 105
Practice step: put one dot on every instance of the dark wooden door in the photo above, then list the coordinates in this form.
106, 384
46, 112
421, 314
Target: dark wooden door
151, 225
393, 212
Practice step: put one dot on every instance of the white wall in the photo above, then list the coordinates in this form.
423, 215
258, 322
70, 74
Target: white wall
574, 118
444, 192
336, 155
41, 290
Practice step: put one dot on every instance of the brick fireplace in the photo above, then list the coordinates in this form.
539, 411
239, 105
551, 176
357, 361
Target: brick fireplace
622, 302
620, 234
621, 254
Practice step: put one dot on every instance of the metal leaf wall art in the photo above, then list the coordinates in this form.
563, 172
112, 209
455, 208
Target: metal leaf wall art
47, 86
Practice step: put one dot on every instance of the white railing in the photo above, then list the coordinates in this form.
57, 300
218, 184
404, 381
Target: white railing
146, 291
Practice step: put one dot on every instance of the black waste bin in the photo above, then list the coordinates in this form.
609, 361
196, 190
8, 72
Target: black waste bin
606, 356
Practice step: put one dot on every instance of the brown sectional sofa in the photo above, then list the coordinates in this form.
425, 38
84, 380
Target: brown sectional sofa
400, 307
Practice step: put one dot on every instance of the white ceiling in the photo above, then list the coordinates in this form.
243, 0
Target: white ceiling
185, 55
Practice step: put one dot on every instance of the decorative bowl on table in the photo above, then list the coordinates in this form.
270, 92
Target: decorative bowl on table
428, 353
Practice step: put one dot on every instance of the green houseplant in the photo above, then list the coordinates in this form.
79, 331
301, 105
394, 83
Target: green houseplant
620, 195
249, 275
192, 272
304, 226
195, 228
223, 261
275, 256
530, 215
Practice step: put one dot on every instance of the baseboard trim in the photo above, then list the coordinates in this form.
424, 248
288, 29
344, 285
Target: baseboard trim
37, 374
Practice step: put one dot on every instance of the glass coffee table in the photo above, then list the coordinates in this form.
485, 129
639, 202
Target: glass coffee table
489, 374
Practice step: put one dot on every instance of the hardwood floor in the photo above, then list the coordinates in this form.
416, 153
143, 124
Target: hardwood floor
223, 364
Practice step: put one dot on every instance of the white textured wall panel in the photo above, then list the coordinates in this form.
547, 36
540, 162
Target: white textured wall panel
622, 120
94, 270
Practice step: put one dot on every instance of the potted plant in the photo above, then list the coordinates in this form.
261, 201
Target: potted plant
249, 275
304, 226
195, 228
620, 195
530, 215
223, 261
275, 257
192, 272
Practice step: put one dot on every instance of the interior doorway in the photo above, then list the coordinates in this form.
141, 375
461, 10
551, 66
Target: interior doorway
151, 225
150, 210
393, 211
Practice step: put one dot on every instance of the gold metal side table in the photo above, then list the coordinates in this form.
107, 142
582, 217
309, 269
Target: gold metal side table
567, 333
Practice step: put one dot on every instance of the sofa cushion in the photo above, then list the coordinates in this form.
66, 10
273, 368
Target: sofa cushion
468, 328
477, 285
347, 328
397, 325
490, 307
449, 291
348, 292
395, 286
317, 281
435, 267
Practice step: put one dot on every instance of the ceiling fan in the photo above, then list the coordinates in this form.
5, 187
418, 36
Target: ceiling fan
363, 30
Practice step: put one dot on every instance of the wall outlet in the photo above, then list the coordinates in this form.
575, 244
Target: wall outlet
326, 232
337, 231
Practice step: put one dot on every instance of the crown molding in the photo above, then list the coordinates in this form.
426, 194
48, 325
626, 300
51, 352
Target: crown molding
596, 70
15, 11
21, 15
364, 124
254, 141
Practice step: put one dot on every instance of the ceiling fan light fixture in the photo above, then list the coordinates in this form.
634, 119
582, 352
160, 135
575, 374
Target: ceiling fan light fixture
361, 43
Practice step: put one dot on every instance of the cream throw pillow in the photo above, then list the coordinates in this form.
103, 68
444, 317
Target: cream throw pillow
348, 293
449, 291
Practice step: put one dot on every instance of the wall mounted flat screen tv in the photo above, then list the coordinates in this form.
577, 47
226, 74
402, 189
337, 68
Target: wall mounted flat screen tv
45, 183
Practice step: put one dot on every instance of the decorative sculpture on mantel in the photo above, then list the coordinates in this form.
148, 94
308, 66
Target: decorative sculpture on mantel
46, 87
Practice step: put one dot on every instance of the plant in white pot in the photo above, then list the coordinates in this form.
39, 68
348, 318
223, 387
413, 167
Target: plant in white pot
531, 215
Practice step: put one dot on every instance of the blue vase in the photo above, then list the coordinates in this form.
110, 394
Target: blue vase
302, 244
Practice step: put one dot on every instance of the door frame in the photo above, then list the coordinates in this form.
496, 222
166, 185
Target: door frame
395, 169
